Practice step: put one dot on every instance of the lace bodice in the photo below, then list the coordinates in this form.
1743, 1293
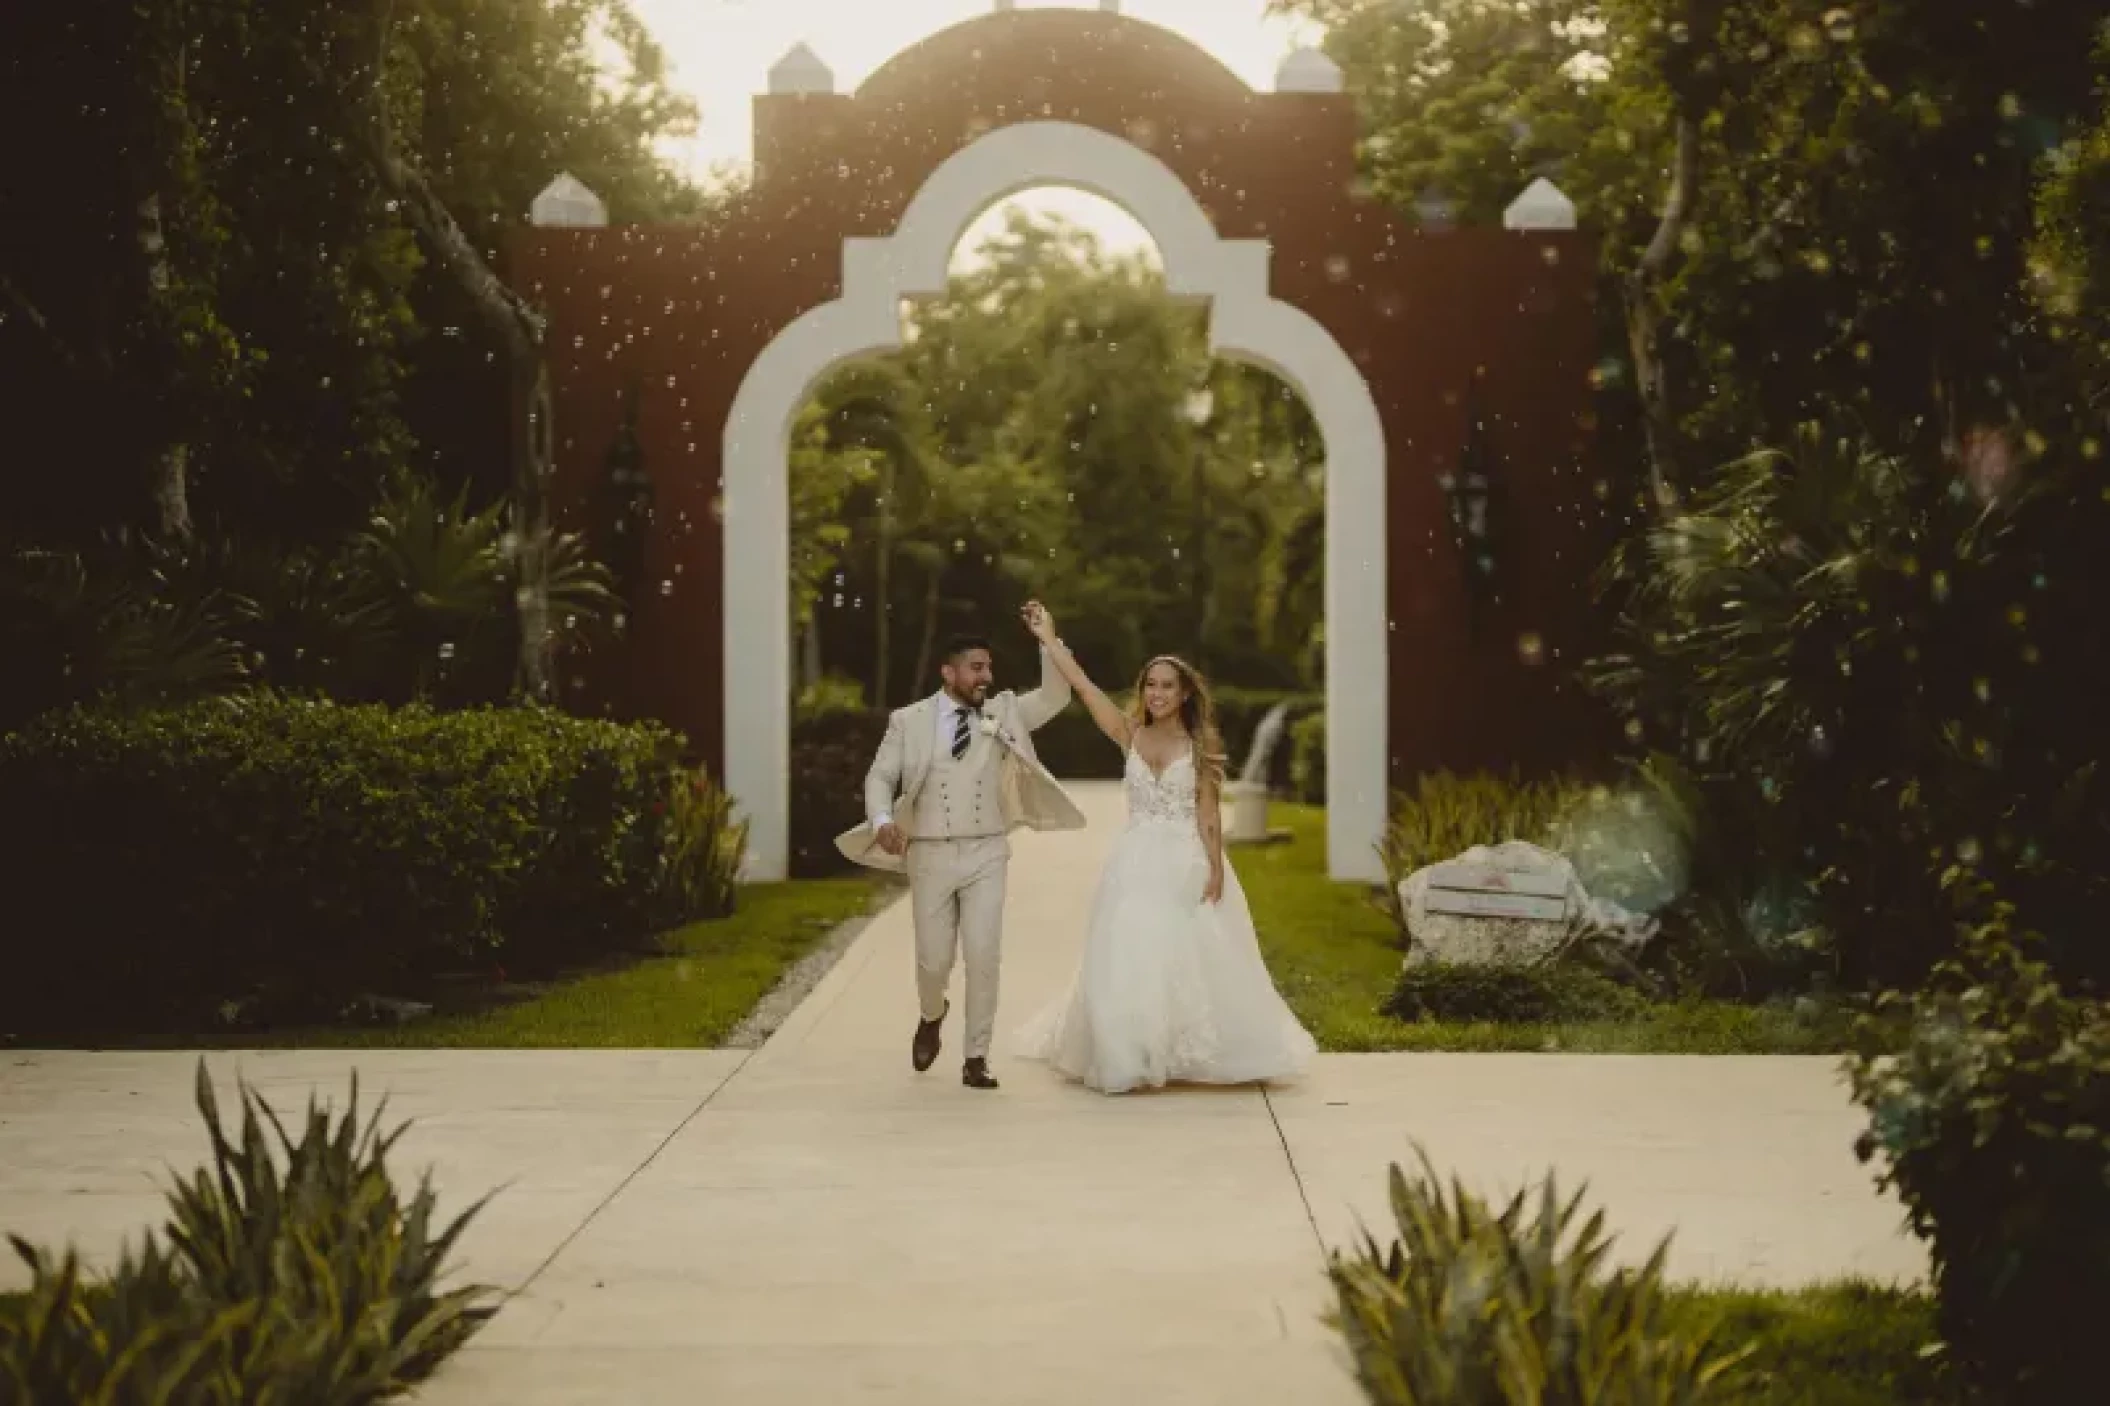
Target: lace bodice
1154, 798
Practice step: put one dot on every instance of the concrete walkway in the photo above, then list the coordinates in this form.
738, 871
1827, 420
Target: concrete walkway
811, 1222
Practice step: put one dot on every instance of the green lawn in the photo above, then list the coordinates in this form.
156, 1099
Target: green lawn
712, 976
1335, 955
1837, 1345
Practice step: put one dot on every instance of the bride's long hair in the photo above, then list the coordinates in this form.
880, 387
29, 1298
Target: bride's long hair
1197, 713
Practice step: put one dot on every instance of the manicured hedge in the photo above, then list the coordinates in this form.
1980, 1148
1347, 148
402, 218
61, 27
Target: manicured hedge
273, 856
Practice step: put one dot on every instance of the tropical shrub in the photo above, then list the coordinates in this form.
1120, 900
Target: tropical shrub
1519, 1306
1992, 1124
1892, 662
419, 605
1525, 995
830, 753
1445, 814
271, 857
289, 1270
93, 628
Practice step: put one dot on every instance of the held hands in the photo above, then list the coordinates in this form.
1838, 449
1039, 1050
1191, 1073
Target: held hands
1038, 621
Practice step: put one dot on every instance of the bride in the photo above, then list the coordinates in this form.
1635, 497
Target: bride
1172, 988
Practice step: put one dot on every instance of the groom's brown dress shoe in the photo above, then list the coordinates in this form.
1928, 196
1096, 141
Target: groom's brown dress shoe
925, 1050
976, 1075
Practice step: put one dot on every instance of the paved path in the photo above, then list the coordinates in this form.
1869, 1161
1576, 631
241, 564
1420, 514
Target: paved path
810, 1222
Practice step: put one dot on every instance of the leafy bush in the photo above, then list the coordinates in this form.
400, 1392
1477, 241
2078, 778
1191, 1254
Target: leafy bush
277, 857
1539, 994
80, 629
1446, 814
1890, 659
309, 1281
1467, 1305
1307, 764
1992, 1123
1737, 921
418, 605
830, 753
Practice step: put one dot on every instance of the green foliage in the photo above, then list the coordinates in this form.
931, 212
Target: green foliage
444, 578
281, 857
1872, 651
1307, 759
81, 629
1992, 1124
2071, 253
1445, 815
1738, 920
285, 335
419, 605
830, 754
1850, 1344
1546, 993
293, 1270
1037, 437
1517, 1306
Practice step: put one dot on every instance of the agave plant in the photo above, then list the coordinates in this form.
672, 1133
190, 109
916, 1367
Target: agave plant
436, 567
311, 1282
1473, 1307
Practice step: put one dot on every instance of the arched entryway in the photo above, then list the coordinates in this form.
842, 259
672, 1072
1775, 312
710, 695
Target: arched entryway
1404, 343
1245, 323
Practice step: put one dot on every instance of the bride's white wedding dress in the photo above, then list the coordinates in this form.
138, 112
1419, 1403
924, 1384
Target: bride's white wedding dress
1171, 989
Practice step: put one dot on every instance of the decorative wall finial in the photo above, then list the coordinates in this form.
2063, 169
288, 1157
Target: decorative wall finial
801, 71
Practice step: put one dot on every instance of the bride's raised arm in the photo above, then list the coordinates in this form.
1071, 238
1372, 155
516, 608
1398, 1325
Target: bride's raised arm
1112, 721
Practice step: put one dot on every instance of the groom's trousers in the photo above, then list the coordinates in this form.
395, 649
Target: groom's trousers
956, 889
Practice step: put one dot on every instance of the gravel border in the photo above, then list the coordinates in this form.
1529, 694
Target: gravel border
798, 982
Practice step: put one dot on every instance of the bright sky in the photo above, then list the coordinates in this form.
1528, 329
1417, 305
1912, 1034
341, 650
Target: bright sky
721, 52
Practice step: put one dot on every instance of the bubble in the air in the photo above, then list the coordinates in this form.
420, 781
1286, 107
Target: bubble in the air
447, 650
666, 587
1531, 648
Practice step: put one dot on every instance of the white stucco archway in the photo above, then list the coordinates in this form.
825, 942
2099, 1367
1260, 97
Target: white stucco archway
1245, 323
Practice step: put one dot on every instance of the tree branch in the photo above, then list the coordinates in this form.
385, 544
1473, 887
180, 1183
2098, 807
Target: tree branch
1644, 312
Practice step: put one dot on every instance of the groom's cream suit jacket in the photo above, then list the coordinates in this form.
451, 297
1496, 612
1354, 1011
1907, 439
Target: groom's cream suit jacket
1031, 798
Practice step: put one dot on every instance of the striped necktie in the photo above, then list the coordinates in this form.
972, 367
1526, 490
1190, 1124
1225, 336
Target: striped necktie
959, 731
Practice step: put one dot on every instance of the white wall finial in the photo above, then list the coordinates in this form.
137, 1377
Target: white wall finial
1003, 5
801, 71
1541, 206
1111, 7
567, 203
1309, 71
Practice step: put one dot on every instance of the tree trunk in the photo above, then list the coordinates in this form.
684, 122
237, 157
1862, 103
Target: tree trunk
928, 645
169, 481
881, 600
1644, 314
810, 667
519, 331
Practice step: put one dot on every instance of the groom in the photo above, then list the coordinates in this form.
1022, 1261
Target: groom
954, 776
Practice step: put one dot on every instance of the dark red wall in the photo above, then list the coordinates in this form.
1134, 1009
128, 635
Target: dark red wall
1437, 322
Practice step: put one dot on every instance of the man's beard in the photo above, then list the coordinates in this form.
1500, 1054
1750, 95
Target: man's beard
973, 697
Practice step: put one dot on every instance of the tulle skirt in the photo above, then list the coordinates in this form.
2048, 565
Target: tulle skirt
1171, 990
